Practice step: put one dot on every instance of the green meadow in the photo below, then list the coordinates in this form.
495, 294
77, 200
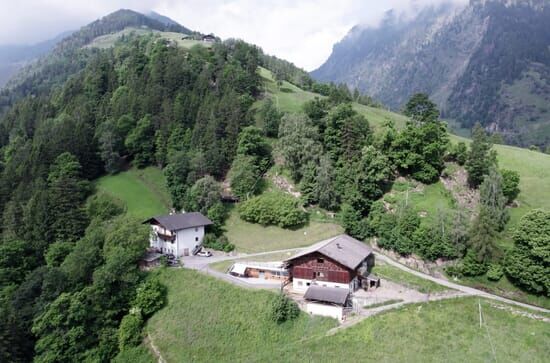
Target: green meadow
207, 320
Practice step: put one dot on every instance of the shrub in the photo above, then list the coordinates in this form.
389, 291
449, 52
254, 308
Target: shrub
104, 207
528, 262
273, 209
471, 266
283, 309
150, 296
129, 331
354, 224
56, 253
510, 184
495, 272
220, 243
459, 153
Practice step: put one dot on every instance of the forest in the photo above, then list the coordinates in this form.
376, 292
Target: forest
70, 287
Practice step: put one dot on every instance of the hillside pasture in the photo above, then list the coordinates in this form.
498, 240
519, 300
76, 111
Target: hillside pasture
250, 237
142, 190
109, 40
207, 320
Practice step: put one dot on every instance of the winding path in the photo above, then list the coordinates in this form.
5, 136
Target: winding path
201, 264
452, 285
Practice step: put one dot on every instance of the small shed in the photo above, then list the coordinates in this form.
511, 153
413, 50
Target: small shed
327, 301
149, 260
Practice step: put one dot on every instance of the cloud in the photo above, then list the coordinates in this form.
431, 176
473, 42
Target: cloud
301, 31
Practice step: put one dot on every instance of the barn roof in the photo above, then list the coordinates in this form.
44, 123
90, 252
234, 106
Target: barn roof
331, 295
175, 222
343, 249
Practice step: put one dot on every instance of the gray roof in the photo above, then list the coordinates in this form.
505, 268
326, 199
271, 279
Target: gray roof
343, 249
151, 256
175, 222
331, 295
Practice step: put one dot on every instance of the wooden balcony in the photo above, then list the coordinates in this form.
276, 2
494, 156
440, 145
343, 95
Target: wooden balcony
166, 237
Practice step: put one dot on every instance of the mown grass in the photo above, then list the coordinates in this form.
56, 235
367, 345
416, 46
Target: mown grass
207, 320
142, 190
249, 237
138, 354
445, 331
406, 279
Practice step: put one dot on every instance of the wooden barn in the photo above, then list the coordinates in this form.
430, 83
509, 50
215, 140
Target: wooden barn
340, 262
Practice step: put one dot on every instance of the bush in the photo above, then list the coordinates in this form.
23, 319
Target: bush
150, 296
471, 266
273, 209
510, 184
220, 243
283, 309
459, 153
495, 272
56, 253
528, 262
104, 207
129, 331
354, 224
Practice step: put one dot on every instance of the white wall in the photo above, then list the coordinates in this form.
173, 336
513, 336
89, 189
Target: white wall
302, 284
185, 239
188, 239
332, 311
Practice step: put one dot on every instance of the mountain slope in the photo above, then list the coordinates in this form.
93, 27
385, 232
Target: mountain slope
15, 56
68, 56
473, 60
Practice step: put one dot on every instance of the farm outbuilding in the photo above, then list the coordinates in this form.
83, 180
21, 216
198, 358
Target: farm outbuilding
260, 270
327, 301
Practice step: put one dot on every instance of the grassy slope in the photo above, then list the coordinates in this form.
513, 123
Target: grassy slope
534, 167
109, 40
143, 191
207, 320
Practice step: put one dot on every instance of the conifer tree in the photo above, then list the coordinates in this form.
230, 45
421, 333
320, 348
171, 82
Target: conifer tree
480, 157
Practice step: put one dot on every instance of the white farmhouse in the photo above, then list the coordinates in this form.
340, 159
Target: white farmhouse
179, 234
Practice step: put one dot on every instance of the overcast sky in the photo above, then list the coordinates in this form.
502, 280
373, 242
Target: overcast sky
301, 31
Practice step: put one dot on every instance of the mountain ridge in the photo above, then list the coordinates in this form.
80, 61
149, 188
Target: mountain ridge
471, 59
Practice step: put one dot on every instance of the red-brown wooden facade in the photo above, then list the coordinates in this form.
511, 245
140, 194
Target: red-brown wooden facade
317, 266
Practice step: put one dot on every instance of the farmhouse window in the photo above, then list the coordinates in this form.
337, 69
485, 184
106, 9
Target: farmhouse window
320, 274
196, 239
320, 260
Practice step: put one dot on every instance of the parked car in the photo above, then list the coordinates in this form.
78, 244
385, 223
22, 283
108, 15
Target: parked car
204, 253
170, 257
